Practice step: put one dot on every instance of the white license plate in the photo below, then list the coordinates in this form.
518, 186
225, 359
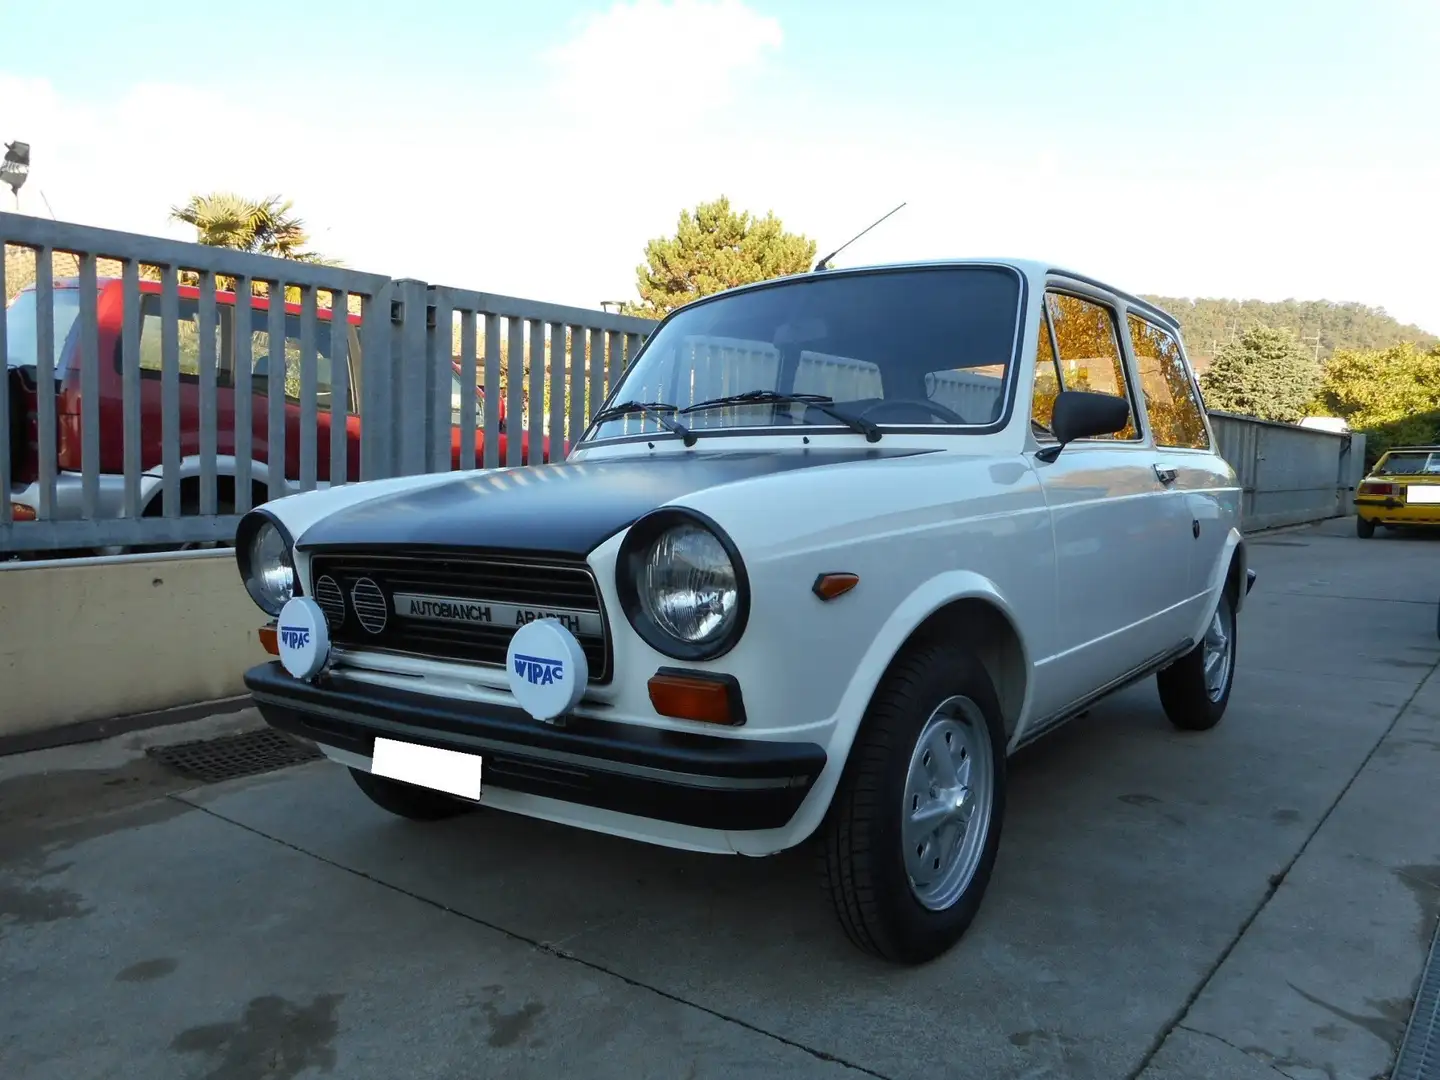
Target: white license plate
1423, 493
441, 770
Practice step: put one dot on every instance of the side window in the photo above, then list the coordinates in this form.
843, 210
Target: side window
263, 355
188, 335
1176, 415
1047, 378
1090, 352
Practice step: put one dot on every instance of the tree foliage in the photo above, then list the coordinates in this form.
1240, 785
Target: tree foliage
1393, 395
1208, 323
268, 227
715, 247
1265, 373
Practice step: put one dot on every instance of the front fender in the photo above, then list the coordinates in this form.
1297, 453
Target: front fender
926, 599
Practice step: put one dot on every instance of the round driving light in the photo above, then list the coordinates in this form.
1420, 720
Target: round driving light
271, 580
688, 585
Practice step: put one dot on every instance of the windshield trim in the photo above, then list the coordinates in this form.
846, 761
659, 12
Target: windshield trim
799, 280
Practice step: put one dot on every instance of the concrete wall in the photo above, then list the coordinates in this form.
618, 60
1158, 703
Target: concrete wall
86, 639
1290, 475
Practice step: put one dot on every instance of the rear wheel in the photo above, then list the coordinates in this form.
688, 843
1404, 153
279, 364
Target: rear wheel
910, 842
1364, 527
408, 800
1196, 688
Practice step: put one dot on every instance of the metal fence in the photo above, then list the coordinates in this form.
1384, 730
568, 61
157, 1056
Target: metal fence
156, 390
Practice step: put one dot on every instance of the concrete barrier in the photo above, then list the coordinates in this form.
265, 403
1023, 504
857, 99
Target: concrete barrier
87, 639
1290, 475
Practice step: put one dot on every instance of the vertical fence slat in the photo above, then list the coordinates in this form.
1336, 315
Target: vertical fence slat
45, 379
130, 382
535, 390
275, 442
468, 383
7, 466
514, 389
209, 361
492, 393
613, 363
377, 457
244, 361
89, 387
595, 393
340, 360
576, 384
558, 382
170, 390
409, 389
309, 391
441, 351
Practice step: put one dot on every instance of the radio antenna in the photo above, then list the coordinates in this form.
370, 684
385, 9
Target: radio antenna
824, 264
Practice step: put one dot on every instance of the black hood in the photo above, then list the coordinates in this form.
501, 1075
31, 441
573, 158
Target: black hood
563, 508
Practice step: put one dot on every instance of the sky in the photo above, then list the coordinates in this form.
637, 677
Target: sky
1236, 148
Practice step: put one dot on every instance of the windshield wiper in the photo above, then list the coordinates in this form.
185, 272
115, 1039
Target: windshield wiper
820, 402
660, 410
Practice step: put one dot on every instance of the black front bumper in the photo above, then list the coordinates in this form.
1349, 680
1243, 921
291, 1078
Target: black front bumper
705, 781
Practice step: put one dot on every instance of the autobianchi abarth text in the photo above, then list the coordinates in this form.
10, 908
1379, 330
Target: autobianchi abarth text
491, 612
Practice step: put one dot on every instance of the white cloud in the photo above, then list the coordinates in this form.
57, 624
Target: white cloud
668, 60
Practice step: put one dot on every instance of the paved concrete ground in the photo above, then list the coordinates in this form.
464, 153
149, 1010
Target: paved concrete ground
1247, 903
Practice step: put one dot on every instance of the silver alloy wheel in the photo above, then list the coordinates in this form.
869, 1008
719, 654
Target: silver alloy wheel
1219, 650
949, 795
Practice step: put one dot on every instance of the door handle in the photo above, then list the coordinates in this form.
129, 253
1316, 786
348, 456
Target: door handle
1165, 474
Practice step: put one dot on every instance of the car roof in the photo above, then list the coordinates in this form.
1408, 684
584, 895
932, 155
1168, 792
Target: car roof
1029, 267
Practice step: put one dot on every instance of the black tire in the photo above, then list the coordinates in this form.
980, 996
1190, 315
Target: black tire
1187, 700
862, 861
408, 800
1364, 527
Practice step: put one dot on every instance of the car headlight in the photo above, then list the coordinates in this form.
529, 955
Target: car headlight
267, 566
683, 586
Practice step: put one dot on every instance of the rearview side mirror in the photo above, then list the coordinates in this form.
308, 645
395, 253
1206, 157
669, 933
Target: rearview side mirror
1083, 414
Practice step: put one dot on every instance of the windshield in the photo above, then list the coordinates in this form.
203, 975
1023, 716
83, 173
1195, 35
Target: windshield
1408, 464
20, 325
908, 348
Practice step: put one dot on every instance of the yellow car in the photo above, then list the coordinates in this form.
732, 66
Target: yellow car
1402, 489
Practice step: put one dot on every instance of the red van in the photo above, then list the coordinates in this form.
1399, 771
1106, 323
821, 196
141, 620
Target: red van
24, 437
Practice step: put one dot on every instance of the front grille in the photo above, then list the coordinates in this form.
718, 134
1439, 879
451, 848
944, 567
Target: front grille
452, 594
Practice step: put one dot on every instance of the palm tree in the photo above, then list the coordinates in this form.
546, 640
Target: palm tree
223, 219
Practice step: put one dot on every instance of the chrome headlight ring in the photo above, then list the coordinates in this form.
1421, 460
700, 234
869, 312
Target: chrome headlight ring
265, 557
682, 585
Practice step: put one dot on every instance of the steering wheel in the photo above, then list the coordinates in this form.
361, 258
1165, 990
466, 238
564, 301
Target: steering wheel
933, 407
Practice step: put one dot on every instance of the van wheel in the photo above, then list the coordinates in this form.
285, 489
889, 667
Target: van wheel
1195, 690
408, 800
1364, 528
911, 839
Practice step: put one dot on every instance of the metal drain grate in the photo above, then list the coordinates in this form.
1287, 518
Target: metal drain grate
225, 758
1419, 1057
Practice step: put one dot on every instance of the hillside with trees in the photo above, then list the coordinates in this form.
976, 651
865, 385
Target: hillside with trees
1208, 324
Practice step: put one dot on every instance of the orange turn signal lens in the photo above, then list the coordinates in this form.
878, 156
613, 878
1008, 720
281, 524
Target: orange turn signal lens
829, 586
268, 640
21, 512
707, 698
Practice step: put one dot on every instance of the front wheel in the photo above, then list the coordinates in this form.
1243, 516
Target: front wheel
909, 845
1196, 688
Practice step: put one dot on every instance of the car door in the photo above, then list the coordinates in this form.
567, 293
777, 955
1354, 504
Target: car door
1195, 477
1116, 531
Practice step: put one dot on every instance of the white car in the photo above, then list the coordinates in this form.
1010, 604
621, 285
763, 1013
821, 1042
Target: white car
837, 545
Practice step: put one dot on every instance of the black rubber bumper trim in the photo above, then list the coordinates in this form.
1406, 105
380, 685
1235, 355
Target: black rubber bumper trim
703, 781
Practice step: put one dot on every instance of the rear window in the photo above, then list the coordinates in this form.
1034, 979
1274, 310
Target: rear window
21, 323
1408, 464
